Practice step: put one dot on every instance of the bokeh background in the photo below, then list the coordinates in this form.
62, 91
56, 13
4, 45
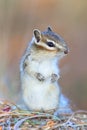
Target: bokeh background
68, 18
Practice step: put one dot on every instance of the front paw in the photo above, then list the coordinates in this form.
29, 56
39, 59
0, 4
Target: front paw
54, 77
40, 77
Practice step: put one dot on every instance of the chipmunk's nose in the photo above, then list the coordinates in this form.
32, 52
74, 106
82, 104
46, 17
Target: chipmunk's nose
66, 51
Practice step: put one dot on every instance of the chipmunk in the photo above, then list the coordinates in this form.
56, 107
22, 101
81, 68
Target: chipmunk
39, 70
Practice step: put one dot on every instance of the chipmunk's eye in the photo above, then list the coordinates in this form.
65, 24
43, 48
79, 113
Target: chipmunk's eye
50, 44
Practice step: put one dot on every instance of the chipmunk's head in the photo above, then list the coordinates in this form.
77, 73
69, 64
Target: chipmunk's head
50, 41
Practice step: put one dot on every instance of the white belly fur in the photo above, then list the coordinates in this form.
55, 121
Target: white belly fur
40, 95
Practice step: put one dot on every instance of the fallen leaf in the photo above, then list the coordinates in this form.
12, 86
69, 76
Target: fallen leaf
50, 124
6, 108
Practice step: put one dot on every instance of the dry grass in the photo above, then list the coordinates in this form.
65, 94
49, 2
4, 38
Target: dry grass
14, 118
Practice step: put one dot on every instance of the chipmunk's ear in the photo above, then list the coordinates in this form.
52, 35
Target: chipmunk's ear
37, 34
49, 29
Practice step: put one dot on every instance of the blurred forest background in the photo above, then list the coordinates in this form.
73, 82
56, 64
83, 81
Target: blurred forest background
68, 18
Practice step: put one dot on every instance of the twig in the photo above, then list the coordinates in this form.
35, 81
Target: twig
76, 112
22, 120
